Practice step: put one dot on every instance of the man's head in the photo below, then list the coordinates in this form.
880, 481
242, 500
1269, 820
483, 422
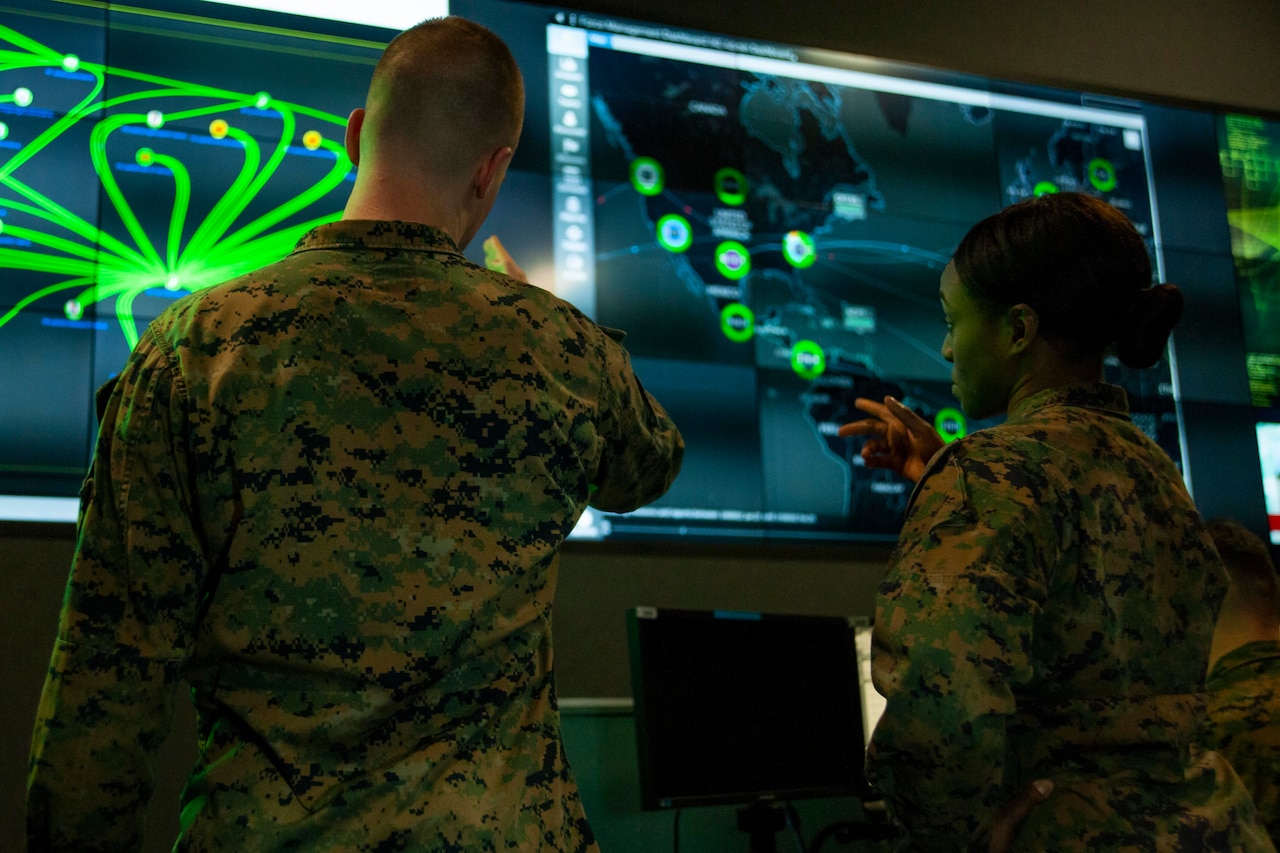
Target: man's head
441, 121
1251, 610
1246, 557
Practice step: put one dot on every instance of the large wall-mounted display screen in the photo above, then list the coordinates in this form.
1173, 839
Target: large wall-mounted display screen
1250, 152
766, 222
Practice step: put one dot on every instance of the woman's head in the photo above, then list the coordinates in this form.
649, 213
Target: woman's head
1080, 265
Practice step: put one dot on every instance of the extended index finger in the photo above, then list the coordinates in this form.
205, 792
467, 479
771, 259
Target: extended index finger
873, 425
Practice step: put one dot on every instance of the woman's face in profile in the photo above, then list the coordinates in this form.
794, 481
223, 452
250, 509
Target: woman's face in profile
973, 346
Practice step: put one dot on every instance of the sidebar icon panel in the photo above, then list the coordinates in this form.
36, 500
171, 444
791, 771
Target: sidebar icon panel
571, 167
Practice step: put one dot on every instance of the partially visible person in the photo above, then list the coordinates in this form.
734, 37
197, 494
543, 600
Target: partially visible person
1242, 720
329, 496
496, 257
1045, 621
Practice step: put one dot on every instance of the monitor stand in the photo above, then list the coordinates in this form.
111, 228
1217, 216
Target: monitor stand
762, 821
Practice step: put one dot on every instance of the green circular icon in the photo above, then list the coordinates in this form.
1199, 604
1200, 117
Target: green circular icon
732, 260
1044, 188
647, 176
737, 322
799, 250
145, 156
950, 424
73, 309
808, 360
731, 186
674, 233
1102, 174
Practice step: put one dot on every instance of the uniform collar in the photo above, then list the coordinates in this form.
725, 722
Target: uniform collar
378, 234
1245, 656
1110, 399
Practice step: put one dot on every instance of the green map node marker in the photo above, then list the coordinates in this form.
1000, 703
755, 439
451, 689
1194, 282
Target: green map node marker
647, 176
1044, 188
731, 187
1102, 174
674, 233
732, 260
799, 249
950, 424
808, 360
737, 322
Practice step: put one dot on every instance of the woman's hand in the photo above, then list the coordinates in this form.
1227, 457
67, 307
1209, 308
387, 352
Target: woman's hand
496, 257
897, 438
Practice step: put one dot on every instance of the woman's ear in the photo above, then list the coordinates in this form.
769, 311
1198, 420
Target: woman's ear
1024, 326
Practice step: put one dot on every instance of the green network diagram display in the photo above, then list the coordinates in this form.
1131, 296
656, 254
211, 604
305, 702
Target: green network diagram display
195, 151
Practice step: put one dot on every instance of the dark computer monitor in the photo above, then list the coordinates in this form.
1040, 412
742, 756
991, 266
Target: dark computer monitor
745, 707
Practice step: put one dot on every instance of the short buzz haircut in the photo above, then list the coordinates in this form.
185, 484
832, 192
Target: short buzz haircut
445, 92
1246, 556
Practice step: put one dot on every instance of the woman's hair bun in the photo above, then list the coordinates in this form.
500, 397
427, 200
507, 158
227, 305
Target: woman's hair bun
1153, 312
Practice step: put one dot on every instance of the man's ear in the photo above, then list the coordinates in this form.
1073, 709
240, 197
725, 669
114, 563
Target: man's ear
1024, 326
490, 168
352, 140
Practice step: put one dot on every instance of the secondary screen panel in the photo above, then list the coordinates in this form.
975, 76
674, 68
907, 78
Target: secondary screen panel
1250, 156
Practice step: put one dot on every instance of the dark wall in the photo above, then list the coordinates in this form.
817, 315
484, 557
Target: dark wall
1220, 53
1182, 50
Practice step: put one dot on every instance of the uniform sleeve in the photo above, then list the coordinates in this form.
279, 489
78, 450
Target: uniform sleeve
642, 447
952, 637
131, 602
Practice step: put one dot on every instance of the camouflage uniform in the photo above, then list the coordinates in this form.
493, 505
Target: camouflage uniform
1047, 613
1243, 721
329, 496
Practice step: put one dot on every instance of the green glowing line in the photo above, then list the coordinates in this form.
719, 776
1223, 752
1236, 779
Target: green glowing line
107, 268
288, 126
98, 153
89, 253
124, 314
54, 130
181, 202
182, 88
20, 259
41, 293
257, 253
225, 210
68, 219
319, 114
229, 104
29, 44
337, 173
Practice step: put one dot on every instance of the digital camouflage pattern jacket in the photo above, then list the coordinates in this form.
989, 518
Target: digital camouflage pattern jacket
328, 496
1243, 721
1047, 613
